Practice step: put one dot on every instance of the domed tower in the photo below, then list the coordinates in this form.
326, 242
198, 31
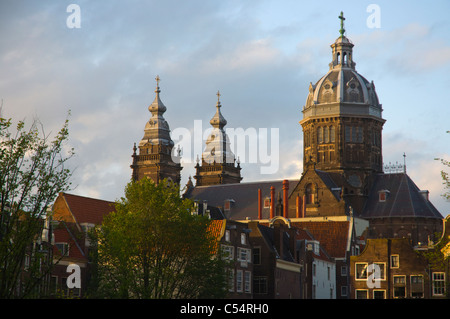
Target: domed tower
156, 159
218, 163
342, 122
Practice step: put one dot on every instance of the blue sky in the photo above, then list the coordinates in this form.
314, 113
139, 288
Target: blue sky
261, 55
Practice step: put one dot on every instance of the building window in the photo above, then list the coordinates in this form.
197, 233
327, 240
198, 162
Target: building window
228, 252
247, 282
399, 287
343, 270
332, 134
231, 280
417, 289
438, 284
326, 135
244, 255
353, 134
343, 291
63, 248
319, 135
243, 239
260, 285
361, 271
227, 235
362, 294
227, 205
382, 274
239, 274
256, 256
379, 294
310, 190
395, 261
267, 202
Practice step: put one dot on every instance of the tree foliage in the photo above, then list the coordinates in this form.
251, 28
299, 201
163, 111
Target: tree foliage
32, 172
445, 176
153, 247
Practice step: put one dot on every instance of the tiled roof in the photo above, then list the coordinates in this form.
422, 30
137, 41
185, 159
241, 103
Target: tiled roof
403, 200
244, 196
88, 210
332, 235
216, 227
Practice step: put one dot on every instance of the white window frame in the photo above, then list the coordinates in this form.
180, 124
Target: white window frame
440, 280
358, 276
248, 282
398, 261
239, 280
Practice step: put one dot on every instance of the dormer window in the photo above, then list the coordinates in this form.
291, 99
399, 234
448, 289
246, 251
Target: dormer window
383, 195
267, 202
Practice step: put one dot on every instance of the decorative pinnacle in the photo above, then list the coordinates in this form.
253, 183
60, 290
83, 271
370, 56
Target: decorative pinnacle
218, 98
157, 84
342, 30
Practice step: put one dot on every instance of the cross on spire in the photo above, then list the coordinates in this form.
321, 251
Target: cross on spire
218, 98
342, 30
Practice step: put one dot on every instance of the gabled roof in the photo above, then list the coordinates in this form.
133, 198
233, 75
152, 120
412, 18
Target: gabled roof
332, 235
87, 210
244, 196
403, 200
268, 234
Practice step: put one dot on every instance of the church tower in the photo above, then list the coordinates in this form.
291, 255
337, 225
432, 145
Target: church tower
218, 163
342, 126
156, 159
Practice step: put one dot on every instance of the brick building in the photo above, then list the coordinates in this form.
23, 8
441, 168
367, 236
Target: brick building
73, 216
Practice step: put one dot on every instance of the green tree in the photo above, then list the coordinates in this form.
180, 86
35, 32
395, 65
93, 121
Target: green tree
153, 247
445, 176
32, 172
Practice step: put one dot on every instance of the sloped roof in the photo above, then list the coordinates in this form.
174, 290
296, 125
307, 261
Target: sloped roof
403, 200
216, 227
244, 196
88, 210
332, 235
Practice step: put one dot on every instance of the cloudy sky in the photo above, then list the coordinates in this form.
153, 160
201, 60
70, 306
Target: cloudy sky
261, 55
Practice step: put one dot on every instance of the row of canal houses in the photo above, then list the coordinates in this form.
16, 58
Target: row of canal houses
277, 257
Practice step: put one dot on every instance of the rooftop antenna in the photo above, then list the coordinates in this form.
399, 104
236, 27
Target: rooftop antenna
404, 162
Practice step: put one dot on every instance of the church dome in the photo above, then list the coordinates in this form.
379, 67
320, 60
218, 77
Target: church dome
342, 90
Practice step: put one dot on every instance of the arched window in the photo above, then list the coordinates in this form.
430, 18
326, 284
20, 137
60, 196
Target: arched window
326, 135
309, 192
319, 135
332, 134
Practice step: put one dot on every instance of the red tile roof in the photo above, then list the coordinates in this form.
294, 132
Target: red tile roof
215, 228
88, 210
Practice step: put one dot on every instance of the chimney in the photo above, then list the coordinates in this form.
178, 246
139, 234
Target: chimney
259, 204
285, 198
272, 201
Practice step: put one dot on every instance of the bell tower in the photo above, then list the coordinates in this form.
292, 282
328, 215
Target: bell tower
156, 159
218, 163
342, 127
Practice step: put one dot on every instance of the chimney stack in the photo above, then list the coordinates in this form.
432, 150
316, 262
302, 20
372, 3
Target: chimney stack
285, 198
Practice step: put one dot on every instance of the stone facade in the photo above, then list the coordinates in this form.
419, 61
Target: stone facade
156, 159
